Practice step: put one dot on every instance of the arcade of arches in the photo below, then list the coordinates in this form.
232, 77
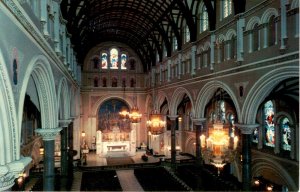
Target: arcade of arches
245, 70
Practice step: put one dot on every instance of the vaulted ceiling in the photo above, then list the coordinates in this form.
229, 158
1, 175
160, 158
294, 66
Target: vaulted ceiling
144, 25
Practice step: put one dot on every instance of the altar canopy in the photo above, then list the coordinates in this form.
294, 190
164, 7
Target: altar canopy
115, 136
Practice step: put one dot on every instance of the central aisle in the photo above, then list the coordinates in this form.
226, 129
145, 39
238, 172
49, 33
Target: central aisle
128, 181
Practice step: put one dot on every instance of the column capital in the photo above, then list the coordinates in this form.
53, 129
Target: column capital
48, 133
247, 129
64, 122
7, 178
172, 117
199, 121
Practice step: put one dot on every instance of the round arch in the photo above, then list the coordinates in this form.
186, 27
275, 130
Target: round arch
9, 132
206, 93
264, 165
189, 145
230, 33
40, 70
176, 99
162, 96
267, 14
102, 99
252, 22
262, 88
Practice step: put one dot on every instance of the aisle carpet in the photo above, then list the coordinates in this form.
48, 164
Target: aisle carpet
119, 160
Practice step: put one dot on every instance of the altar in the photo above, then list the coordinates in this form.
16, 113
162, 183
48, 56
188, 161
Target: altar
116, 143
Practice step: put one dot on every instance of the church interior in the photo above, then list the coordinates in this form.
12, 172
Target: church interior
149, 95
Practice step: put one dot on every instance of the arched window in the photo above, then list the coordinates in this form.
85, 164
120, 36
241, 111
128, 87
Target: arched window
203, 18
285, 134
268, 116
114, 60
222, 55
132, 64
123, 61
232, 49
231, 119
187, 34
123, 82
104, 82
96, 62
132, 82
255, 38
175, 45
271, 31
114, 82
226, 8
104, 61
96, 82
221, 106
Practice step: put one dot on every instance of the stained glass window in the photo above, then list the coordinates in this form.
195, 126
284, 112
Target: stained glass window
203, 19
123, 61
114, 54
187, 34
222, 110
231, 119
286, 134
269, 124
227, 8
175, 45
104, 61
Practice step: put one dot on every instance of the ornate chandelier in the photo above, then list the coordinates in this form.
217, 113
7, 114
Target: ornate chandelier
124, 114
134, 115
219, 148
156, 124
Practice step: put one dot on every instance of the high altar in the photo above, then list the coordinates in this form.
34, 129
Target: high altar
116, 143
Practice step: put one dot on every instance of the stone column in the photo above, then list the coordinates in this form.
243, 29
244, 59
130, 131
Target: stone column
198, 123
48, 136
64, 147
246, 130
173, 137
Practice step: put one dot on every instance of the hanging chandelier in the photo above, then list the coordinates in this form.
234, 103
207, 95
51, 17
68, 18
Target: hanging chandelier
134, 115
124, 114
219, 148
156, 124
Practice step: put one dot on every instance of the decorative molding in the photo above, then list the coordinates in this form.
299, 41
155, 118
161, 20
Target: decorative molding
37, 35
172, 117
64, 123
48, 134
247, 129
11, 107
199, 121
7, 178
17, 167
